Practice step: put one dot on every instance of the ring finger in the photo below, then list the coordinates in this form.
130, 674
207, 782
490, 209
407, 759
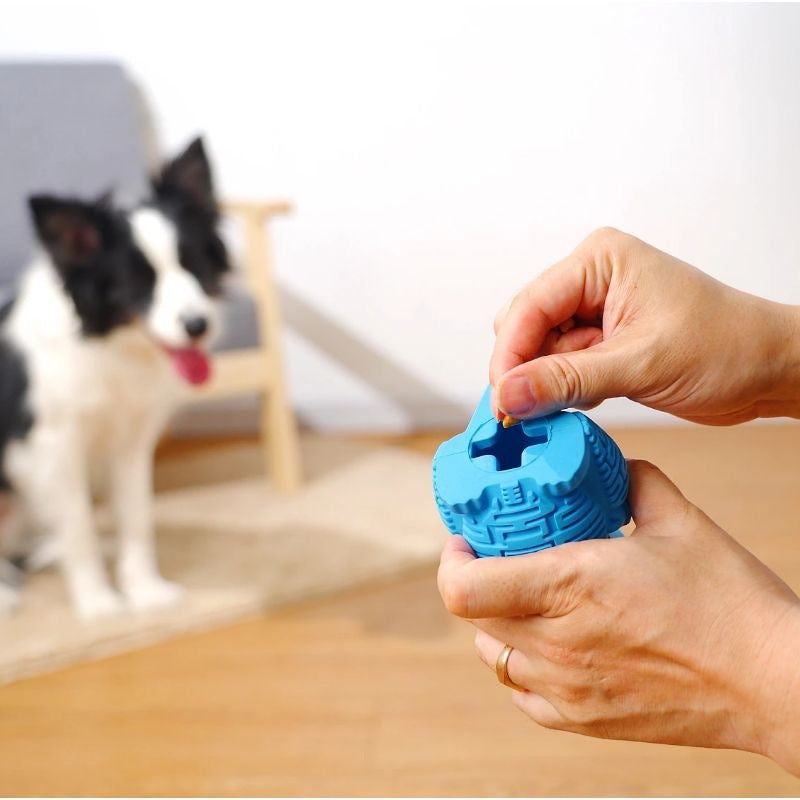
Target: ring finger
534, 699
519, 668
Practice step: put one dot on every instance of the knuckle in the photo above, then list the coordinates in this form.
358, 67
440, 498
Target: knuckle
565, 588
538, 712
560, 654
568, 646
530, 295
580, 716
456, 594
543, 714
693, 517
649, 361
517, 304
482, 646
609, 246
606, 238
572, 693
644, 471
569, 380
589, 716
640, 467
548, 721
500, 316
588, 559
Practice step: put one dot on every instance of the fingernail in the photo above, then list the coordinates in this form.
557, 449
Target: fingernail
516, 397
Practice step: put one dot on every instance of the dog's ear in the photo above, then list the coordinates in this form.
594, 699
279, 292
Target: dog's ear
105, 200
187, 181
70, 230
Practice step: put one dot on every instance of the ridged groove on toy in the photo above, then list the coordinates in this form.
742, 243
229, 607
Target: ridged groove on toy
609, 461
444, 509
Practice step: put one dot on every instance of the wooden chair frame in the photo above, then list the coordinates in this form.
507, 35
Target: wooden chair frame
260, 369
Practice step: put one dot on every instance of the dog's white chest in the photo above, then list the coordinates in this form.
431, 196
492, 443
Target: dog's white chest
122, 390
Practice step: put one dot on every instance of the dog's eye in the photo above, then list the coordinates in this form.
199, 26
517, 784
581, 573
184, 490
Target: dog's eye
215, 251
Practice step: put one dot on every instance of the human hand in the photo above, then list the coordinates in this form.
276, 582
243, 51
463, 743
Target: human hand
619, 318
675, 634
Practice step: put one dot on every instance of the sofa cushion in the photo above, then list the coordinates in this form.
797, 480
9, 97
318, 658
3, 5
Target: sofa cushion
67, 128
239, 320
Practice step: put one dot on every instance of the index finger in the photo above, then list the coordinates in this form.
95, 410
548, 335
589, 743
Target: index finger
546, 582
576, 286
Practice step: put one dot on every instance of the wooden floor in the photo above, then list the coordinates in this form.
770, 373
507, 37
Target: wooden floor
377, 691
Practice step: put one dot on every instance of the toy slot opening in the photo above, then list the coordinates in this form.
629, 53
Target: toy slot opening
508, 444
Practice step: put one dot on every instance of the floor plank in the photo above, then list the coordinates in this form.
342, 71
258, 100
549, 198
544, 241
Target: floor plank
376, 691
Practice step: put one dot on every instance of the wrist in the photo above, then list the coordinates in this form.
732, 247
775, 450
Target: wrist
780, 328
770, 706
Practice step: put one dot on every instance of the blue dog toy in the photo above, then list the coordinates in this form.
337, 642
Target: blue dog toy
540, 483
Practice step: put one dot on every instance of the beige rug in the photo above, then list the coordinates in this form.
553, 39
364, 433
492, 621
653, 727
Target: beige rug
238, 547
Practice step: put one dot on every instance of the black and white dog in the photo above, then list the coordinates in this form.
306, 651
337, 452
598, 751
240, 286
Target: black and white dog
110, 320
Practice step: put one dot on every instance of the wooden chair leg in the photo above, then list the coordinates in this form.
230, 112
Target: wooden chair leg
278, 426
280, 440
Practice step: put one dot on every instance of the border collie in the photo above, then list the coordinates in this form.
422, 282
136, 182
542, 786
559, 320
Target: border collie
110, 319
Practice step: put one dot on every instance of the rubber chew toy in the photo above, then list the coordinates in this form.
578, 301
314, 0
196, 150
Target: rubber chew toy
537, 484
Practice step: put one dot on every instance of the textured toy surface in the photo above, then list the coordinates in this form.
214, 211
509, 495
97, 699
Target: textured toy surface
540, 483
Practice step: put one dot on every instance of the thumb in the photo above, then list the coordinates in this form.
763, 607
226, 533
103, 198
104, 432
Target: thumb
653, 497
563, 380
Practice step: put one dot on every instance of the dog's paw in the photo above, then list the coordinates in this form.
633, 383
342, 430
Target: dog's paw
152, 592
46, 553
9, 599
98, 602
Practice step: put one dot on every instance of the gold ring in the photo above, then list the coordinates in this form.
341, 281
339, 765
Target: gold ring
501, 668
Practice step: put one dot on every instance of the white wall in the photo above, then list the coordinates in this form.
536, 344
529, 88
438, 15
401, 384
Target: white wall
440, 155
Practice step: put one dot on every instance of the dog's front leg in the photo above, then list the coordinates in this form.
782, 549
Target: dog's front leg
132, 499
81, 562
49, 471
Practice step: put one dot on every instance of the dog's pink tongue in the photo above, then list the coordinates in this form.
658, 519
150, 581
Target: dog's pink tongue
192, 364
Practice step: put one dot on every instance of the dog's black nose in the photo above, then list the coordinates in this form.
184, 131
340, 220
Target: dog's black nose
195, 326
